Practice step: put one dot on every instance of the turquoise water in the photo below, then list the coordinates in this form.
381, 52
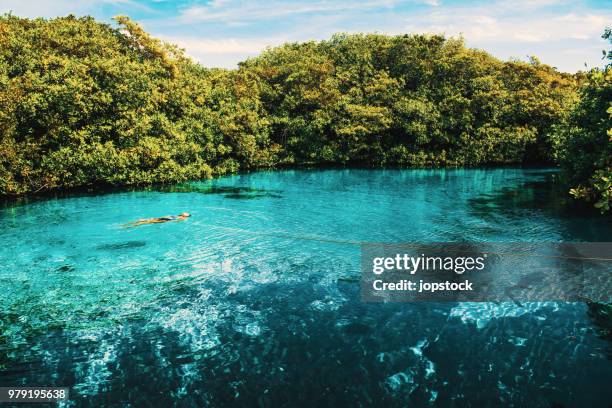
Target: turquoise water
254, 300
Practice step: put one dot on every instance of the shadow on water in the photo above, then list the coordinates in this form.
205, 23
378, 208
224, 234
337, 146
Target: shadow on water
121, 245
231, 192
65, 268
548, 196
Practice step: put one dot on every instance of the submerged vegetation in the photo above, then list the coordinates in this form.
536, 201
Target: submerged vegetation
84, 103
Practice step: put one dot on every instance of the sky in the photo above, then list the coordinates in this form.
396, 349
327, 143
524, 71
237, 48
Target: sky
219, 33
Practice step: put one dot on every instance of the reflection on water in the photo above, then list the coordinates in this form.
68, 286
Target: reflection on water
542, 193
255, 301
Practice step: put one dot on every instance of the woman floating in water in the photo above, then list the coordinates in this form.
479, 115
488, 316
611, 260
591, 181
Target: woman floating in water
158, 220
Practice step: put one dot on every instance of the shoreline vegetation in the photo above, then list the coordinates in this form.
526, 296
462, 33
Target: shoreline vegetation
85, 104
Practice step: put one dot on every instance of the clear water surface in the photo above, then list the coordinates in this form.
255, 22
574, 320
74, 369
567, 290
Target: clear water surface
254, 300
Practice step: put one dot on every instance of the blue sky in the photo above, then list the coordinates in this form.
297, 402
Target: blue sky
565, 34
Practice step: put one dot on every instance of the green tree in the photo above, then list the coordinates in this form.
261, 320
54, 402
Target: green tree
584, 144
87, 104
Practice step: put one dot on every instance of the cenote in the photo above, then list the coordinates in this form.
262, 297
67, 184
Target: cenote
254, 300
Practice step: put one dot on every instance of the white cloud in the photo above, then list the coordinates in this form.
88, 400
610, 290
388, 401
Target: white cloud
561, 35
50, 8
565, 40
233, 11
197, 46
490, 28
56, 8
222, 53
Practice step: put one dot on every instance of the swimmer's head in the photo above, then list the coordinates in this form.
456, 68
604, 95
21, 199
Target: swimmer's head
185, 214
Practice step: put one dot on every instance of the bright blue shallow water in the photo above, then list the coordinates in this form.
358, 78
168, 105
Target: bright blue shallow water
254, 300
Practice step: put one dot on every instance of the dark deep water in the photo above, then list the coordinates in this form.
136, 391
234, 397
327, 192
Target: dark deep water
254, 301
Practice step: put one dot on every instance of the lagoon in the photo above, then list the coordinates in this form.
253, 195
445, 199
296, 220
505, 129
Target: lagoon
254, 300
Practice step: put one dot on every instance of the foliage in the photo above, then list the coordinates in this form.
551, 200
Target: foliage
584, 145
84, 103
409, 101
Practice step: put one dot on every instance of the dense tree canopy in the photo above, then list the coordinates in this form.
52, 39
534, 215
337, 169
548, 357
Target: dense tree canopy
84, 103
584, 144
408, 100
